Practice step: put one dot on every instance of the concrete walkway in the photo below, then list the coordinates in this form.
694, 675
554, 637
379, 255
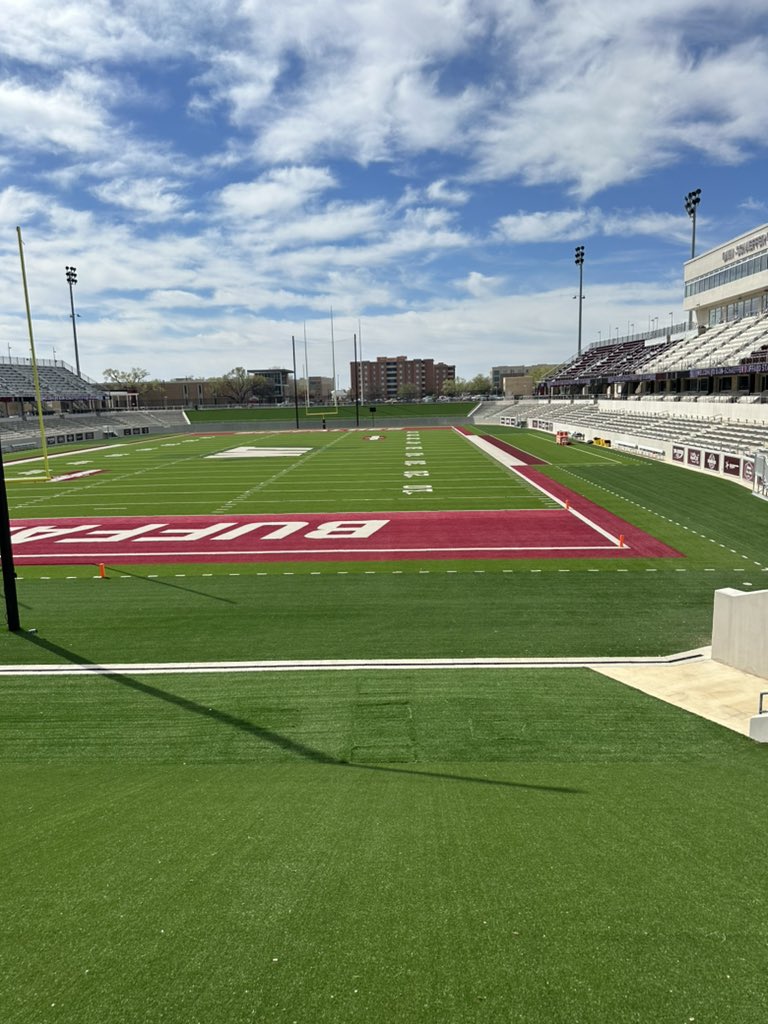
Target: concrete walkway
706, 688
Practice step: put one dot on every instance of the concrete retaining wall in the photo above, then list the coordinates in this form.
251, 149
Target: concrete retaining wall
740, 630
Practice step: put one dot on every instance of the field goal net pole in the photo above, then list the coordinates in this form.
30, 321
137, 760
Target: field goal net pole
357, 383
323, 412
295, 381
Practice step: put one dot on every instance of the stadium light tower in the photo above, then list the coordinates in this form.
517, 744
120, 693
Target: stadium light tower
692, 200
579, 261
72, 279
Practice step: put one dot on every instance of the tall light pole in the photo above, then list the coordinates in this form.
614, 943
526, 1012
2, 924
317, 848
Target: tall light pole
692, 200
72, 279
579, 261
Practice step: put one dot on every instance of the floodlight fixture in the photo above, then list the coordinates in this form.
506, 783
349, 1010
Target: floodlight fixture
692, 200
71, 273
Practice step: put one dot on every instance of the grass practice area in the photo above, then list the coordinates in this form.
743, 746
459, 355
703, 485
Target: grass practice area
188, 840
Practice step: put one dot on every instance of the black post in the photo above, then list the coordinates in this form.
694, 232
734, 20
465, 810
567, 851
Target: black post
295, 382
357, 385
6, 557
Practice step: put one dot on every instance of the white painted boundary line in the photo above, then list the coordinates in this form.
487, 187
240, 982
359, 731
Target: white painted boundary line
512, 464
491, 449
579, 515
105, 555
401, 664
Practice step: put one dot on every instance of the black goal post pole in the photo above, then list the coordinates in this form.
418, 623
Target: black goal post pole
6, 556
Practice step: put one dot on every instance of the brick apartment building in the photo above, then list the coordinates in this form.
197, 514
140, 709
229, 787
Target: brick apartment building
385, 377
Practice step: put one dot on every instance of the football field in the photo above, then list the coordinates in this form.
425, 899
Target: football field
304, 779
403, 494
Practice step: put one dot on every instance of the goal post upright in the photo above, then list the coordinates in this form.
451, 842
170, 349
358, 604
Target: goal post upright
35, 374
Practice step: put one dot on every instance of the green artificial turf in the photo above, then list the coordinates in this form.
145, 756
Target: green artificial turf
339, 472
460, 846
342, 415
389, 847
366, 614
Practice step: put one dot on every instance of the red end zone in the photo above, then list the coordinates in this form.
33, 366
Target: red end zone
584, 531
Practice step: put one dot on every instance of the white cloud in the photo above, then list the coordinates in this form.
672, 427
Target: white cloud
479, 285
152, 199
750, 203
548, 225
576, 224
67, 117
614, 94
441, 192
276, 192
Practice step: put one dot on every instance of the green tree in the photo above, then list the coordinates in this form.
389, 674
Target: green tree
235, 386
407, 392
262, 388
127, 380
479, 385
453, 388
133, 380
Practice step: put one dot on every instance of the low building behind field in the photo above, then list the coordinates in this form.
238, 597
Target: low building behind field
518, 386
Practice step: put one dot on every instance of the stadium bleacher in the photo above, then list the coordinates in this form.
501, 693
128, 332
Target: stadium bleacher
58, 383
594, 419
739, 346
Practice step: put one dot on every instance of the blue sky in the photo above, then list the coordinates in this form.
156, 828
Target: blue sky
223, 173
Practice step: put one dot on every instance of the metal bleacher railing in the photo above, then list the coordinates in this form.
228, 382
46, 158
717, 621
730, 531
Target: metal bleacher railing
57, 380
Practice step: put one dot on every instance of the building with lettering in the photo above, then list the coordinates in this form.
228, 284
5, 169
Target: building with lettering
730, 281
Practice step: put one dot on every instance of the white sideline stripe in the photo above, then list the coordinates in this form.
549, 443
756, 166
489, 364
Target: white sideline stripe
512, 464
595, 526
106, 553
200, 667
579, 515
493, 450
